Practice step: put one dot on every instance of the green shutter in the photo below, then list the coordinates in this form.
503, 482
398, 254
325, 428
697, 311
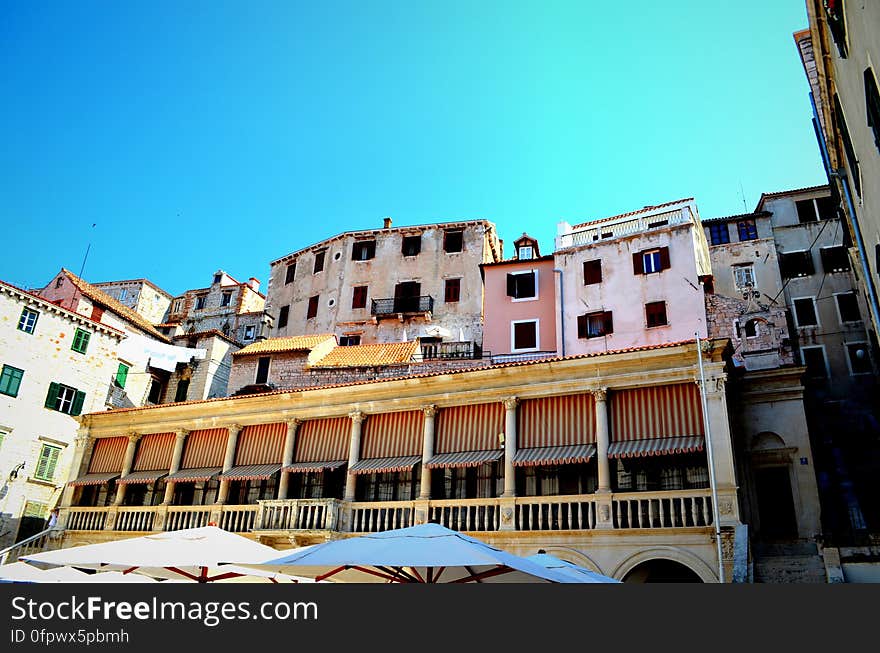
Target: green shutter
78, 400
121, 375
81, 341
47, 462
10, 380
52, 397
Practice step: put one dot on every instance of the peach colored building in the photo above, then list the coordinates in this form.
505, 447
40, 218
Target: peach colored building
519, 303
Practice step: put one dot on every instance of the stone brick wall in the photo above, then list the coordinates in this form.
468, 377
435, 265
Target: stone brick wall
727, 317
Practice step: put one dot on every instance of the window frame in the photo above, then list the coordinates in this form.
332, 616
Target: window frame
797, 322
785, 267
283, 316
52, 464
593, 265
855, 298
253, 331
719, 228
366, 246
289, 273
742, 267
525, 248
831, 269
8, 380
81, 338
449, 232
605, 318
411, 239
872, 103
359, 292
320, 260
846, 347
356, 338
226, 298
201, 302
452, 287
517, 350
665, 315
260, 360
536, 296
749, 227
73, 404
26, 325
312, 307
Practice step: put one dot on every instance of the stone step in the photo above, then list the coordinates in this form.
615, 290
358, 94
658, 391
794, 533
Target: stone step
790, 569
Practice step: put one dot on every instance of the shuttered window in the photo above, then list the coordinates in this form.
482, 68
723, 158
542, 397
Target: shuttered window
47, 462
65, 399
10, 380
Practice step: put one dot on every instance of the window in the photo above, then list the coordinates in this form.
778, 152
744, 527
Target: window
363, 250
751, 329
837, 24
290, 273
200, 301
412, 245
319, 261
744, 276
872, 105
225, 298
65, 399
453, 241
182, 390
97, 313
121, 375
655, 314
796, 264
859, 360
747, 230
592, 272
156, 391
719, 234
123, 293
359, 297
834, 259
249, 332
848, 307
522, 285
28, 320
81, 341
178, 304
525, 335
595, 325
806, 210
805, 312
282, 316
263, 369
851, 158
453, 290
826, 207
652, 260
10, 380
46, 463
313, 307
525, 252
349, 341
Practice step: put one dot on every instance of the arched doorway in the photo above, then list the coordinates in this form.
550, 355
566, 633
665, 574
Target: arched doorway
772, 490
661, 571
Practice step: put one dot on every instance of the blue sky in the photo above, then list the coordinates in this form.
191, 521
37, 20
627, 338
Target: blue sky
206, 135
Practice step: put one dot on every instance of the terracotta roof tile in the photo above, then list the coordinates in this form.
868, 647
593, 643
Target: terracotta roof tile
793, 191
278, 345
374, 355
631, 213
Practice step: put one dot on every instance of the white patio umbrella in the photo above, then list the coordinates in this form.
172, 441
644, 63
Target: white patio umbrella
20, 572
63, 575
194, 553
580, 574
116, 577
428, 553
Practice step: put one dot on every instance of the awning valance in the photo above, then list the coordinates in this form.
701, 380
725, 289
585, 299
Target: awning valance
465, 458
251, 472
194, 475
315, 467
95, 479
655, 447
574, 453
380, 465
144, 476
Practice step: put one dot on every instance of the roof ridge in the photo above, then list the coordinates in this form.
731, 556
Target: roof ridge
636, 212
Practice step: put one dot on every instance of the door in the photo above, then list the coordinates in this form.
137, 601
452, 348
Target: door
775, 503
406, 297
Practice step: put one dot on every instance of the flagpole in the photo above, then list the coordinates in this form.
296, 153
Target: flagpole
711, 461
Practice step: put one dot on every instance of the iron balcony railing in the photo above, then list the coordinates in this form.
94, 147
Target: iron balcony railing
396, 305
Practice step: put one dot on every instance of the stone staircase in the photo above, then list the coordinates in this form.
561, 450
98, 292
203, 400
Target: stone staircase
794, 561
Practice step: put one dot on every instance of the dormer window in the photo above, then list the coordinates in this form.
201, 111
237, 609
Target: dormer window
217, 278
525, 252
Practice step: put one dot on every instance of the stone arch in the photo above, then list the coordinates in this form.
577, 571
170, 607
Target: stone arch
681, 556
574, 556
767, 441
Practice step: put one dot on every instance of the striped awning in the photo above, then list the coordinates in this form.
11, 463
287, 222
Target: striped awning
391, 435
655, 447
154, 452
474, 427
95, 479
205, 448
464, 458
143, 476
108, 454
661, 411
315, 467
380, 465
251, 472
574, 453
194, 475
557, 421
318, 440
261, 444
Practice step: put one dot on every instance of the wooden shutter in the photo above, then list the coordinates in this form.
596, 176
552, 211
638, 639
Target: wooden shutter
511, 285
582, 326
592, 272
607, 323
121, 375
638, 263
52, 397
78, 400
47, 462
664, 258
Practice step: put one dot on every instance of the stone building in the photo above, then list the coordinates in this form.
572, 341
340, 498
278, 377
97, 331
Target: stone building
141, 296
387, 285
56, 364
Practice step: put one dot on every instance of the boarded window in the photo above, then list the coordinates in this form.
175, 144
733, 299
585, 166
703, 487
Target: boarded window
452, 291
359, 297
655, 314
525, 335
592, 272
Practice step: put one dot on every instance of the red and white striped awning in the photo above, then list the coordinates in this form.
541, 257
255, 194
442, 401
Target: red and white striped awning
390, 435
464, 458
557, 421
655, 447
143, 476
195, 475
573, 453
469, 428
261, 444
381, 465
315, 466
205, 448
662, 411
154, 452
95, 479
108, 455
250, 472
318, 440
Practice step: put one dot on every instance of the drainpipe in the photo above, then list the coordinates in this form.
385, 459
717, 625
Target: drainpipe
561, 335
857, 232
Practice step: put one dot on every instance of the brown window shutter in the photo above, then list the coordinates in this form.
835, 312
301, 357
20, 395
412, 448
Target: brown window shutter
608, 324
664, 258
582, 326
638, 264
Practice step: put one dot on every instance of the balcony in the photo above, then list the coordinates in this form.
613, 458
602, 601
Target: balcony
621, 227
451, 351
402, 306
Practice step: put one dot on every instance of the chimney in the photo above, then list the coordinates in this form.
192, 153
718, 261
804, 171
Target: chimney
254, 283
386, 223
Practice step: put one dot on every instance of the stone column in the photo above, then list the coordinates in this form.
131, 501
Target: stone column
127, 462
287, 458
603, 439
228, 460
176, 457
354, 452
427, 450
722, 449
510, 405
84, 443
